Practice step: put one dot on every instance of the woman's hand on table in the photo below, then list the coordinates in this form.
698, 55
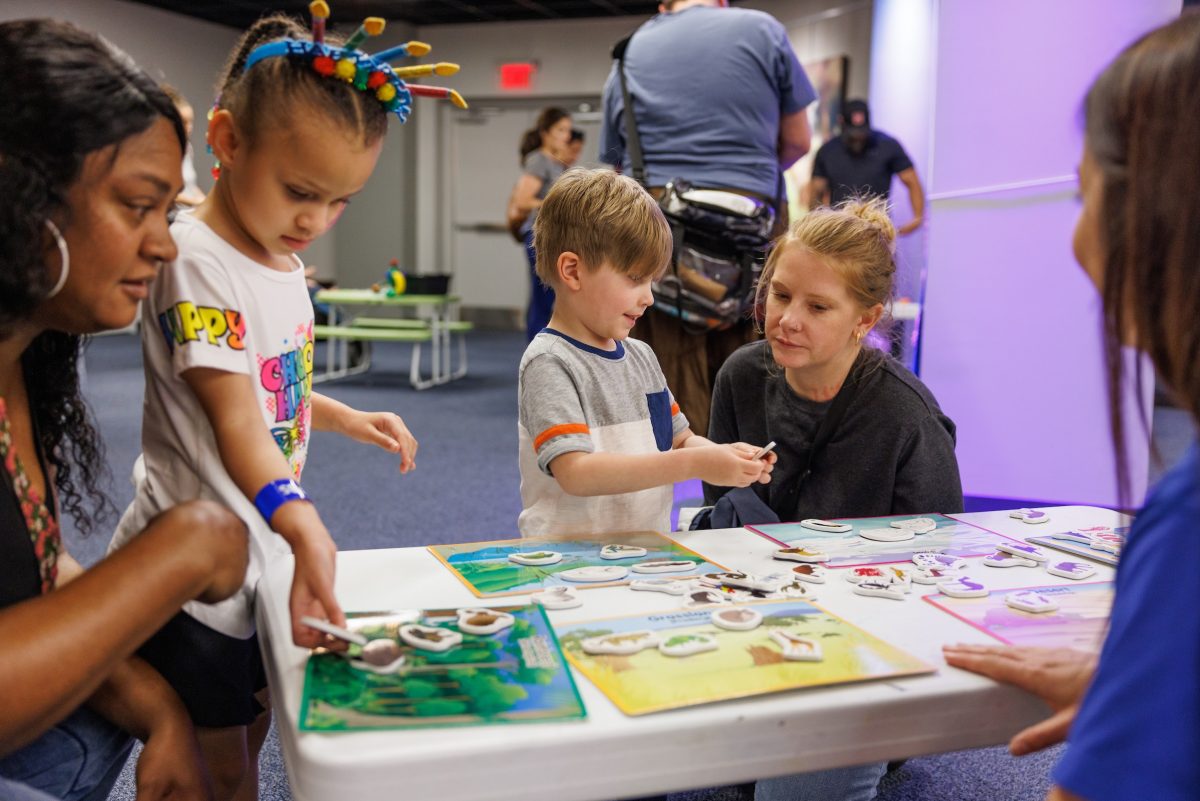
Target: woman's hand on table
1059, 676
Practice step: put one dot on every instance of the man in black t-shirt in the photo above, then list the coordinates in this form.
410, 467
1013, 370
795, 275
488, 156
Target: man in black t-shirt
861, 162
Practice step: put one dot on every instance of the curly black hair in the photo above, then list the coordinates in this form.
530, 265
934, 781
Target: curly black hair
66, 94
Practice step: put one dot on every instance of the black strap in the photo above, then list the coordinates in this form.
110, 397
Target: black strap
637, 162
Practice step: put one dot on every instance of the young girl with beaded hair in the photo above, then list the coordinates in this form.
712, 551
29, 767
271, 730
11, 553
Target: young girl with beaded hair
824, 288
228, 348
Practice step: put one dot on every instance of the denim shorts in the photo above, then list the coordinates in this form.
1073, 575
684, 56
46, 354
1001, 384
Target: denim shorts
77, 760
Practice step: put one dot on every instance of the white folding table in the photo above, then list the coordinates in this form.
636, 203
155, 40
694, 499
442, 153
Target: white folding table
610, 755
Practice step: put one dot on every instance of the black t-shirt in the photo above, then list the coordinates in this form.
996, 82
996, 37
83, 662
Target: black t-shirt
892, 453
20, 578
869, 173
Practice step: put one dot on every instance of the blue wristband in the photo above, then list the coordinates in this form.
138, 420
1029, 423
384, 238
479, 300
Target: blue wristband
275, 494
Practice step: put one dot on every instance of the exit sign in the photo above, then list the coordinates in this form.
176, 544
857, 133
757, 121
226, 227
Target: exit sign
517, 75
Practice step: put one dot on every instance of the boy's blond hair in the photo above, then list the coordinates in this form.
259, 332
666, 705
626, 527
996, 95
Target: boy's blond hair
601, 217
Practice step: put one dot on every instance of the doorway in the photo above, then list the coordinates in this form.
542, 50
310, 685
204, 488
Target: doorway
480, 168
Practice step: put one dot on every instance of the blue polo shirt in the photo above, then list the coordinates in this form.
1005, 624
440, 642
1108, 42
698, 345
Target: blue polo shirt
1137, 735
709, 86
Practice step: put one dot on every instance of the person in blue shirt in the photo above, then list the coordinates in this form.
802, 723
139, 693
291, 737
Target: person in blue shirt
719, 99
1132, 718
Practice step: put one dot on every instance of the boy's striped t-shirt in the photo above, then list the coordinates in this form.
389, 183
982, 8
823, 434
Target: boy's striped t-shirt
575, 397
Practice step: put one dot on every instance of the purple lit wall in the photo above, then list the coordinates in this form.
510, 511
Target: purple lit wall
988, 94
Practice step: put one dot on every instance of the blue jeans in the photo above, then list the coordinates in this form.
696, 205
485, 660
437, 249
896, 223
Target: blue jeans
857, 783
541, 297
77, 760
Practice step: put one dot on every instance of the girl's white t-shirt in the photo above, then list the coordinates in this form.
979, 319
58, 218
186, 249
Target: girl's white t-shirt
214, 307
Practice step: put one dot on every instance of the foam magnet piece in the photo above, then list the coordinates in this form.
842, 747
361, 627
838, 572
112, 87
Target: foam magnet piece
934, 575
557, 598
1030, 601
730, 579
680, 645
963, 588
888, 534
483, 621
1023, 550
429, 638
383, 656
796, 648
917, 525
737, 618
856, 575
813, 574
1002, 559
746, 581
619, 644
801, 554
942, 560
826, 525
1031, 516
899, 575
535, 558
797, 590
664, 566
879, 588
1071, 570
594, 573
622, 552
742, 594
668, 586
697, 598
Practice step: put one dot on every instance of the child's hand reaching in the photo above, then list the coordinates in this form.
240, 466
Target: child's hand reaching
769, 459
732, 465
387, 431
312, 582
384, 429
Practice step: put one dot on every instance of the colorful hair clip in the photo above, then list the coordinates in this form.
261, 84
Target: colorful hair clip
365, 72
320, 12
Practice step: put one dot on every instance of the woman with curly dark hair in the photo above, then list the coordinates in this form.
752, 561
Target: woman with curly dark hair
90, 152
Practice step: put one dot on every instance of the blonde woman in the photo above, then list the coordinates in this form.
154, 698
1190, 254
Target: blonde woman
824, 288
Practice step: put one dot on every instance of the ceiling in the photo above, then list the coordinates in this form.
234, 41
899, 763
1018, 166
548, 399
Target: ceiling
242, 13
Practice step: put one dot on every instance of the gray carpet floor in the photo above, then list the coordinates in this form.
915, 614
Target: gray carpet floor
465, 488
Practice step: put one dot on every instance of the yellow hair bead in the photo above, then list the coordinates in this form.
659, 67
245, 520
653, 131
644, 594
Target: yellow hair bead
385, 92
346, 69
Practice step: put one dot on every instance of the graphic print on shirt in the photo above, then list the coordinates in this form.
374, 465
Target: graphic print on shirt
187, 322
287, 376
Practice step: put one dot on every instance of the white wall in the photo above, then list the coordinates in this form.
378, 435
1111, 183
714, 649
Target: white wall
1010, 341
573, 61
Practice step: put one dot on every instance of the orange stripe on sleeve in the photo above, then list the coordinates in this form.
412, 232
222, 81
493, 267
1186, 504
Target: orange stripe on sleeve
556, 431
674, 409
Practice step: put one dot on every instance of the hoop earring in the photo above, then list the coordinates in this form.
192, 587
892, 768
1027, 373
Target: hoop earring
64, 255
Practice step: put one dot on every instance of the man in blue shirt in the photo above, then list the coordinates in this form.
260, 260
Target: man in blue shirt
719, 98
861, 162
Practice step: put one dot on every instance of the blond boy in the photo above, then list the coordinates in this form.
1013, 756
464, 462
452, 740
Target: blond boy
601, 439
